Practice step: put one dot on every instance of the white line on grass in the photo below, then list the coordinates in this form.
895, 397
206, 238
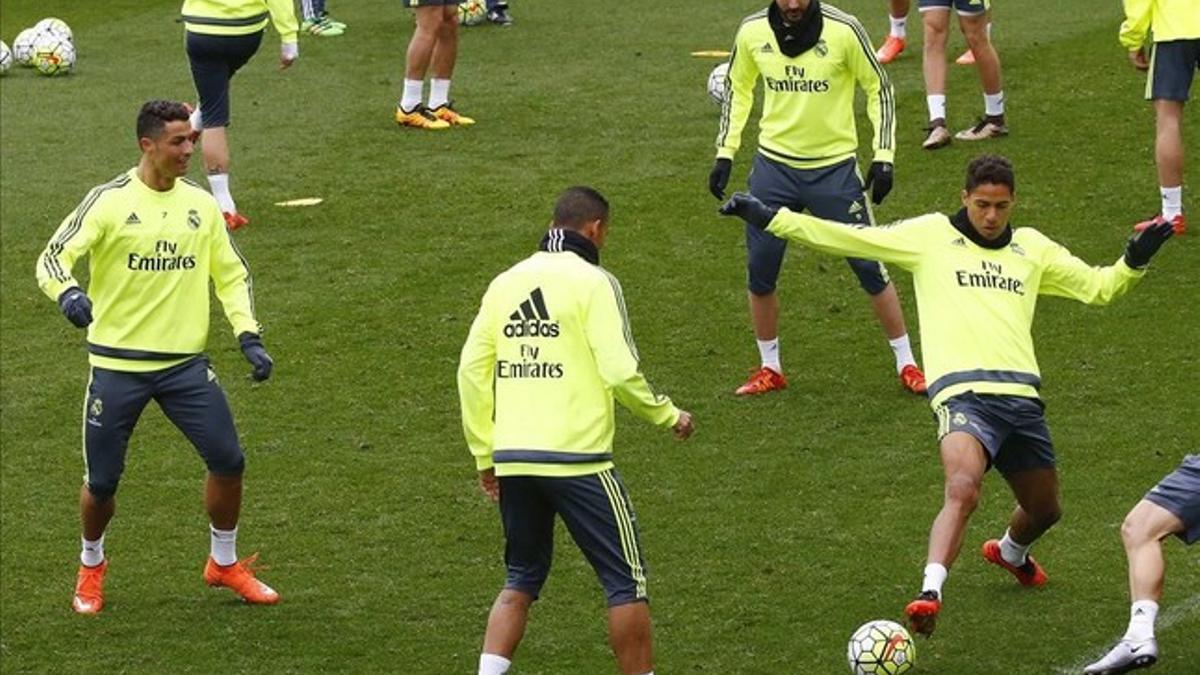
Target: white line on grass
1173, 615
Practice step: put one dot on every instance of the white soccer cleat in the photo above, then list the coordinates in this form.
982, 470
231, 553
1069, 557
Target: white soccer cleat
1127, 655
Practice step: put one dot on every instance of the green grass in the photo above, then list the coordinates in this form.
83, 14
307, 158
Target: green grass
783, 525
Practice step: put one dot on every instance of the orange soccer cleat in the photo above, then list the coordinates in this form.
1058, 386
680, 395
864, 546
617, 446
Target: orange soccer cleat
449, 115
891, 48
913, 379
1029, 574
420, 118
762, 381
89, 589
234, 220
1178, 222
923, 612
240, 578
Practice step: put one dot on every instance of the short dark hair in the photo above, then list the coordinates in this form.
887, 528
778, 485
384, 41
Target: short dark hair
154, 115
578, 206
990, 169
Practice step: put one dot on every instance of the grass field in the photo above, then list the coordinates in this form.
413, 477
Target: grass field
785, 523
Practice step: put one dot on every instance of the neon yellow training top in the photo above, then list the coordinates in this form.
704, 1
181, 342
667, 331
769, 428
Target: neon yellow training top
240, 17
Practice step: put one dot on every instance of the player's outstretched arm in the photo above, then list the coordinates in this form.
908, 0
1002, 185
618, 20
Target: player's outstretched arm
1067, 276
901, 243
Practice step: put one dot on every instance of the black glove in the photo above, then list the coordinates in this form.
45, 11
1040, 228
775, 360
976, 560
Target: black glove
76, 306
718, 178
750, 209
879, 176
1143, 245
258, 357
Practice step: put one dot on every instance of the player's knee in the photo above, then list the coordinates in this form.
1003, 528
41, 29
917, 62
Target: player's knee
102, 489
870, 275
963, 490
229, 463
1133, 530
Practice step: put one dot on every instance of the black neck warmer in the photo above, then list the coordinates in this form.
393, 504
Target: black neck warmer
963, 224
560, 239
795, 39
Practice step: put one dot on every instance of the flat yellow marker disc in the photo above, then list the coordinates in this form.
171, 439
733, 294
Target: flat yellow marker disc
303, 201
711, 54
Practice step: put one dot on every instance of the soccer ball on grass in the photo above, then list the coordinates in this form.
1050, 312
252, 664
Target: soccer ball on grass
6, 58
718, 83
881, 648
471, 13
54, 26
22, 47
53, 54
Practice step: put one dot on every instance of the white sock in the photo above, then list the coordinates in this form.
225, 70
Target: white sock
1172, 201
194, 119
439, 93
219, 182
412, 95
1141, 620
768, 350
1013, 553
492, 664
993, 104
224, 546
899, 27
937, 106
902, 349
935, 576
93, 552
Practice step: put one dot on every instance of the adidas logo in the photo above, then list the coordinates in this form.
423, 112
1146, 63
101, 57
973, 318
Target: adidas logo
855, 207
959, 242
767, 49
531, 319
133, 220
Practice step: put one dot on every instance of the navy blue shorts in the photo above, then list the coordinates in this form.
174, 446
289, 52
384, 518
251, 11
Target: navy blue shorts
214, 60
1011, 428
833, 192
188, 394
963, 7
598, 514
1172, 68
1179, 493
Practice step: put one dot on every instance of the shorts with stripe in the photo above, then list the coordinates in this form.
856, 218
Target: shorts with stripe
832, 192
1179, 493
214, 59
1012, 429
1173, 66
963, 7
189, 396
598, 514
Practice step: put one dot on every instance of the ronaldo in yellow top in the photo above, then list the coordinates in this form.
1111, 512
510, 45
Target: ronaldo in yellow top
977, 281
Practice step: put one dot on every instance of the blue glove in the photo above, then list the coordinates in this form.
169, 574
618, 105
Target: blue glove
1143, 245
257, 355
76, 306
748, 207
879, 181
718, 178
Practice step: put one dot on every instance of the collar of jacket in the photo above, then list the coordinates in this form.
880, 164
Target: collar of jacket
795, 39
559, 239
962, 223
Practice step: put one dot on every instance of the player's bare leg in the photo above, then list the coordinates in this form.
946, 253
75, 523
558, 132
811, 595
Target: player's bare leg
936, 23
964, 462
764, 315
411, 112
1037, 510
223, 501
445, 55
629, 635
214, 145
1146, 525
506, 623
95, 514
974, 29
886, 305
897, 35
1168, 157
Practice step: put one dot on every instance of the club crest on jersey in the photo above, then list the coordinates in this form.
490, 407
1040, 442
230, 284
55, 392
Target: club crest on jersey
821, 48
531, 319
193, 220
1016, 248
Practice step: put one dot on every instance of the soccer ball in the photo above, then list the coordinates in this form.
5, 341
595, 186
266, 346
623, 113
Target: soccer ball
471, 13
53, 54
23, 47
6, 58
718, 83
881, 648
54, 26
